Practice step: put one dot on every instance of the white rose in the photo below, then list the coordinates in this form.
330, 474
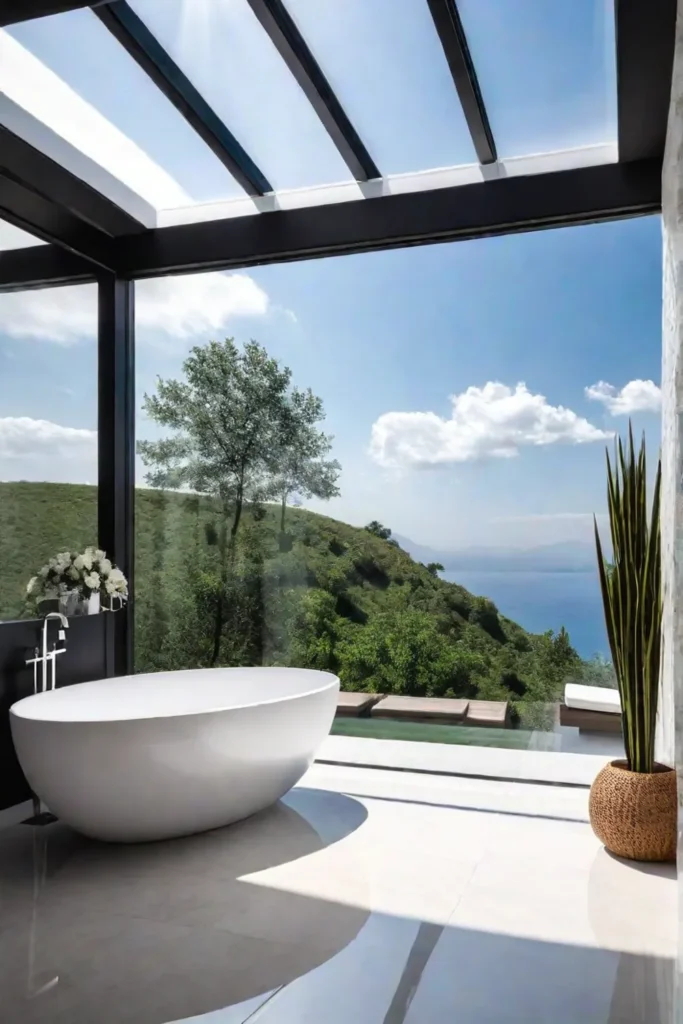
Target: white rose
31, 584
110, 587
74, 573
92, 581
105, 566
79, 562
99, 554
61, 562
44, 571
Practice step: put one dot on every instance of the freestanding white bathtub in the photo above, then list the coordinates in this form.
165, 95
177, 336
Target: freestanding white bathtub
146, 757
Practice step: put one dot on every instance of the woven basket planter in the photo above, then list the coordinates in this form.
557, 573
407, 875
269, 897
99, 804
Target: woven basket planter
634, 814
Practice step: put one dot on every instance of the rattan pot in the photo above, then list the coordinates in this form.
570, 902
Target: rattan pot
634, 814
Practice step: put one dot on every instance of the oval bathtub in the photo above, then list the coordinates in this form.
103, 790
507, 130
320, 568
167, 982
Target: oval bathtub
137, 758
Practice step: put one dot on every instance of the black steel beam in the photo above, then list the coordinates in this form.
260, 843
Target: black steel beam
645, 35
116, 452
24, 163
13, 11
447, 21
293, 49
504, 206
42, 266
41, 196
132, 33
26, 209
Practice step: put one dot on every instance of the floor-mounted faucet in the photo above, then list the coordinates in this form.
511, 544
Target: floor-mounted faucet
47, 659
48, 674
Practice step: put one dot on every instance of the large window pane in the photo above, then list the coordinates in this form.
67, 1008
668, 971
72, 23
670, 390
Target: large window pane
48, 433
546, 71
457, 559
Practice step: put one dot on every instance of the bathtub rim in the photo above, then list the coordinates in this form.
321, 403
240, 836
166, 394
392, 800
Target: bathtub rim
332, 682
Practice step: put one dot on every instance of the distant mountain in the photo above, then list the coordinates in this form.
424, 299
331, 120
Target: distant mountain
566, 556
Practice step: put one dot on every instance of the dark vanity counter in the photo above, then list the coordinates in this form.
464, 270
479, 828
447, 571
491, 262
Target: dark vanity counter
88, 656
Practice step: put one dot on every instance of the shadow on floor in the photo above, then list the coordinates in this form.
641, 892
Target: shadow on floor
149, 933
222, 928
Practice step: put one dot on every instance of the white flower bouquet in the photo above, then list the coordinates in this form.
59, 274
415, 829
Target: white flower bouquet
81, 576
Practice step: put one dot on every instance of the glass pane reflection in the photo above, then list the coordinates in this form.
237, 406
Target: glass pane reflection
546, 71
107, 107
385, 62
228, 56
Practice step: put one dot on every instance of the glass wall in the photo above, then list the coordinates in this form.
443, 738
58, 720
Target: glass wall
48, 433
386, 466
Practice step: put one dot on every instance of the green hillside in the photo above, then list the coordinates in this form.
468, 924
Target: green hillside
322, 595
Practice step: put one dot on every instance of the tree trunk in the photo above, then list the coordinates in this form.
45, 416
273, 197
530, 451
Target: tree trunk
283, 509
227, 550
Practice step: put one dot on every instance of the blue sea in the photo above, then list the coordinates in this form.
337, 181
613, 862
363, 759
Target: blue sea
545, 600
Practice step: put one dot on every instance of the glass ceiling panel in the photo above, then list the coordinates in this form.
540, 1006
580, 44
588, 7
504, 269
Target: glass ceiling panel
546, 69
108, 108
15, 238
224, 51
384, 60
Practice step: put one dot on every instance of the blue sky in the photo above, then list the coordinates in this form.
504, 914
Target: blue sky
384, 338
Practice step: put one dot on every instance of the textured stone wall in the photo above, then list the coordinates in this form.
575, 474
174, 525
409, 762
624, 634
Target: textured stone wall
670, 740
671, 695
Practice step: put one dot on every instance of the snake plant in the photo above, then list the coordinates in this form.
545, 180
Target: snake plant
632, 597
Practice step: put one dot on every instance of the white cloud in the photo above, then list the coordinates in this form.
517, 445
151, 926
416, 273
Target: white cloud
490, 422
193, 304
636, 396
176, 306
62, 315
24, 438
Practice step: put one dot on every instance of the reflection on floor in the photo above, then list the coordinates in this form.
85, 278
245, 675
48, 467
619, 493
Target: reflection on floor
367, 897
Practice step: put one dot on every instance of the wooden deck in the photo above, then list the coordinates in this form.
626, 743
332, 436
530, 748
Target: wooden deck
421, 709
352, 705
492, 713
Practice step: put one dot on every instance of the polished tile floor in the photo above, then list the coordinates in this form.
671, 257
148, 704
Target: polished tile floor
366, 897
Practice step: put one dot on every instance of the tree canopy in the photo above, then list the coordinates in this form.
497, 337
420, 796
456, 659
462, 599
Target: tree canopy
378, 530
242, 434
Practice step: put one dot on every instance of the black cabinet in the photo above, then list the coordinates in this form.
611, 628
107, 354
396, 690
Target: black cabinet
88, 656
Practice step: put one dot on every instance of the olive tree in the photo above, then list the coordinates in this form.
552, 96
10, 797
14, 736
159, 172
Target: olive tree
234, 419
299, 465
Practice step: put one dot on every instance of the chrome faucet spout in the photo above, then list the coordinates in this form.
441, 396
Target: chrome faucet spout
56, 615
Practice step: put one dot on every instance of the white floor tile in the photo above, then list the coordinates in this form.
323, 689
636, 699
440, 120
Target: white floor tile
368, 897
